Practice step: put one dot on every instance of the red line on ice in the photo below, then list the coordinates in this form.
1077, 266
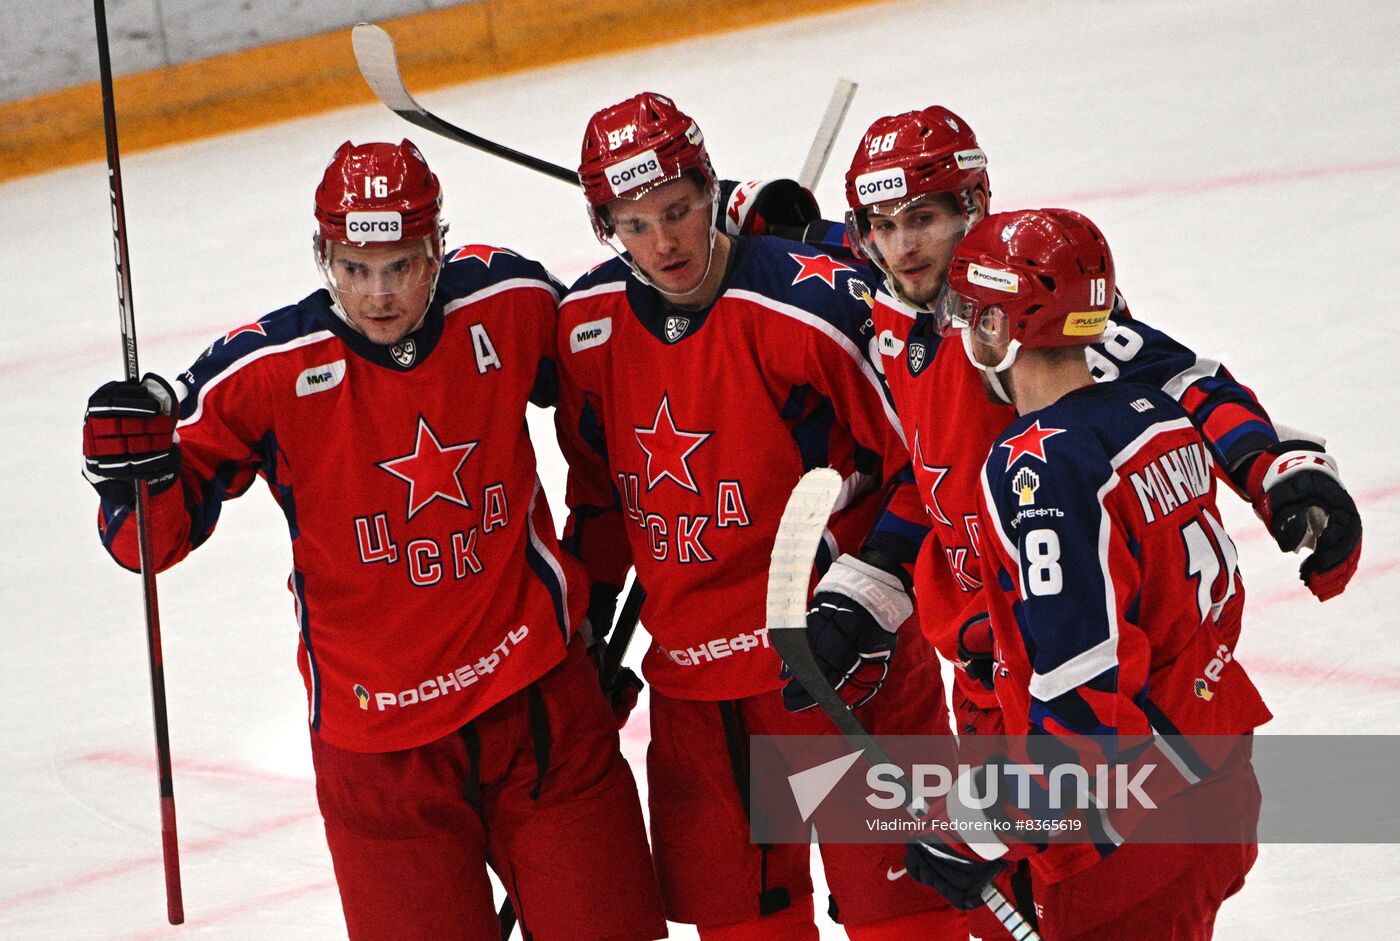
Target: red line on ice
187, 847
1232, 181
225, 912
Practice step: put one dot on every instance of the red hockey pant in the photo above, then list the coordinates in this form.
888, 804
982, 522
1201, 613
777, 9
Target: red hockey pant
535, 786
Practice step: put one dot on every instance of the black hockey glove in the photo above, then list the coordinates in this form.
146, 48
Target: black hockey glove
766, 207
856, 609
952, 869
129, 435
1297, 492
976, 649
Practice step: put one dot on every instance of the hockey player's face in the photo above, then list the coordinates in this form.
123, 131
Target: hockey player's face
667, 233
383, 289
915, 241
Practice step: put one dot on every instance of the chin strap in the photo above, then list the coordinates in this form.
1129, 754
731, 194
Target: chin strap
992, 372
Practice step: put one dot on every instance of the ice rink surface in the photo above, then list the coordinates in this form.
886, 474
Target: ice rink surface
1243, 159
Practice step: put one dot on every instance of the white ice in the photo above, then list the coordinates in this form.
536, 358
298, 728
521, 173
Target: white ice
1243, 158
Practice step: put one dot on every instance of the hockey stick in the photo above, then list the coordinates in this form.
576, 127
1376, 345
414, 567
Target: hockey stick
789, 574
170, 847
622, 634
832, 120
379, 64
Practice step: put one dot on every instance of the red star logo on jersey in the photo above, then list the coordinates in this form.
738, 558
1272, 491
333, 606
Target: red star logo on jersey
818, 266
668, 449
253, 327
1029, 442
431, 469
933, 476
482, 253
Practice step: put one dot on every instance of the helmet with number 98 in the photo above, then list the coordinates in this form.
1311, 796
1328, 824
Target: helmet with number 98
635, 146
379, 194
906, 159
1034, 279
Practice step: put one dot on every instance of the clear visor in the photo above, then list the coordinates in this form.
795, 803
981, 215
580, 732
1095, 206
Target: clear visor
908, 233
953, 312
380, 269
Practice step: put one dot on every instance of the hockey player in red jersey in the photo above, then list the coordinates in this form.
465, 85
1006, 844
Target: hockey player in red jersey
701, 375
1112, 586
455, 718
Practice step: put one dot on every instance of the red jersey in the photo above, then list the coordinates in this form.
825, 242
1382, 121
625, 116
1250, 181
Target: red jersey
687, 430
427, 580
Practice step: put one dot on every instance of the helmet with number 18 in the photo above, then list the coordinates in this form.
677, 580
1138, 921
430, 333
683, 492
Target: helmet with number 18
1030, 279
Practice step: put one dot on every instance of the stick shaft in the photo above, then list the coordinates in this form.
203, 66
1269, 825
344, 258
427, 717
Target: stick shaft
170, 848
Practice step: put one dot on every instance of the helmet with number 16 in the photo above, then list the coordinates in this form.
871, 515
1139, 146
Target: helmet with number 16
379, 238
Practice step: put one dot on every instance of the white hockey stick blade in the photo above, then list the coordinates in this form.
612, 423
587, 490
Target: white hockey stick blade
379, 64
789, 575
832, 120
799, 533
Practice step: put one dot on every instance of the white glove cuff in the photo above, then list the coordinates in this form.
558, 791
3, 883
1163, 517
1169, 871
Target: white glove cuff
877, 591
1294, 462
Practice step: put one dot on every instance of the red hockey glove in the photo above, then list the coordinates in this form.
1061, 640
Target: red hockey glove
856, 609
976, 649
1297, 492
129, 435
765, 207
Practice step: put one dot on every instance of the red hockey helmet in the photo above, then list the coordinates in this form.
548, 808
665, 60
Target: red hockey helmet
905, 156
378, 192
635, 146
1032, 278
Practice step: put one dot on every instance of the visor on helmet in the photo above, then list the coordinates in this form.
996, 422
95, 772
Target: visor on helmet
390, 269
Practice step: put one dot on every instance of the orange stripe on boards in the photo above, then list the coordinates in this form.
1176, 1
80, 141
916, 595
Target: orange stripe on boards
299, 77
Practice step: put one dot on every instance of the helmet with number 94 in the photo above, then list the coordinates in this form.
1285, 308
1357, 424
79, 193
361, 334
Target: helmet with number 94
904, 162
1032, 279
635, 146
373, 198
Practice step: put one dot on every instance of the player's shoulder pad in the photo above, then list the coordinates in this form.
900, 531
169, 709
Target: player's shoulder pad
1045, 461
795, 273
472, 268
611, 274
286, 328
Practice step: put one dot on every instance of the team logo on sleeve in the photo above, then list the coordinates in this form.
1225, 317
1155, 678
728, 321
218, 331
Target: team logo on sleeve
254, 327
404, 353
482, 253
675, 328
1024, 485
668, 448
1029, 443
818, 266
918, 356
431, 469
